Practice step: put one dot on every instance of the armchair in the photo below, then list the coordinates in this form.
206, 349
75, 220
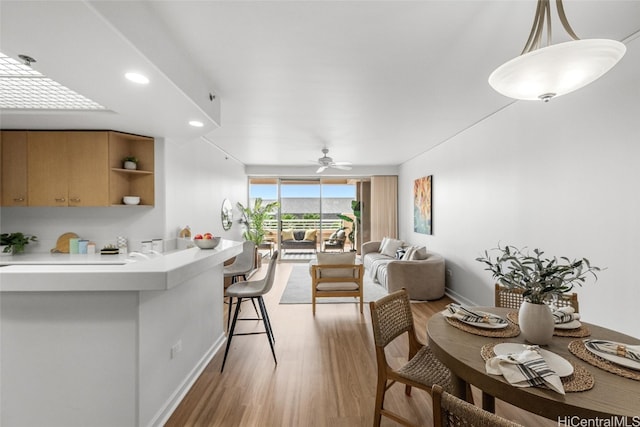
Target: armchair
336, 275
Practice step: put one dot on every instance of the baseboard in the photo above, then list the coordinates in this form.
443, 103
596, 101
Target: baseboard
176, 397
459, 298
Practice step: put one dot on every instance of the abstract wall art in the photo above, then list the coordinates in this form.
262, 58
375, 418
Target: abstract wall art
422, 205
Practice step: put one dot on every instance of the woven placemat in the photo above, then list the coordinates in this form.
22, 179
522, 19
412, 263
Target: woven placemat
512, 330
578, 349
580, 332
580, 380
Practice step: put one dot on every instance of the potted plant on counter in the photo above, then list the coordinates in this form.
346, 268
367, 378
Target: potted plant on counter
541, 279
130, 162
14, 243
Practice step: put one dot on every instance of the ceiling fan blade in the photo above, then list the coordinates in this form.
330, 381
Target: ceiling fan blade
321, 169
341, 167
341, 163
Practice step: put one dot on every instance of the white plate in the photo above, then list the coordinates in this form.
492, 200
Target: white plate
560, 365
622, 361
484, 325
574, 324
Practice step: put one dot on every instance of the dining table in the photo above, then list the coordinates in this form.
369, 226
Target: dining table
611, 395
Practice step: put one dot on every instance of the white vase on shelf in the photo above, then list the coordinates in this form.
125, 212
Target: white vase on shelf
536, 323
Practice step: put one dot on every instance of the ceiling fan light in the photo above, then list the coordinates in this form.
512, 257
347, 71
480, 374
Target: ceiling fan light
557, 69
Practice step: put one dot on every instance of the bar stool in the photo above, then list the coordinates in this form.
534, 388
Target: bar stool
254, 290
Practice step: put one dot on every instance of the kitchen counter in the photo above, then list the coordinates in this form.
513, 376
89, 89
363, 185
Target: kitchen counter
107, 340
75, 272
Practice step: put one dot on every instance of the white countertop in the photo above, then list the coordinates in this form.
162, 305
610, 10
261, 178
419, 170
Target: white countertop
65, 272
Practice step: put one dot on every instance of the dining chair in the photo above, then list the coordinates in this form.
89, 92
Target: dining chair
391, 317
336, 275
512, 298
450, 411
242, 265
254, 290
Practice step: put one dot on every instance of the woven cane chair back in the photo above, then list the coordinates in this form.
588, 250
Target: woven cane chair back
390, 317
512, 298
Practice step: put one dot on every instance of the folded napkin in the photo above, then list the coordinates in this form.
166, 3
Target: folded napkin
631, 352
466, 315
565, 315
525, 369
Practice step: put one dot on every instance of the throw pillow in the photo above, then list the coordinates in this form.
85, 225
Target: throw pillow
391, 247
337, 258
383, 244
310, 234
400, 252
409, 253
341, 235
419, 253
333, 236
287, 234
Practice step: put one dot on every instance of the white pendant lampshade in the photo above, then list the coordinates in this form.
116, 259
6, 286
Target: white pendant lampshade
555, 70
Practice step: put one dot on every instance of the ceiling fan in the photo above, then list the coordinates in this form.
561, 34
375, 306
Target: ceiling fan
327, 162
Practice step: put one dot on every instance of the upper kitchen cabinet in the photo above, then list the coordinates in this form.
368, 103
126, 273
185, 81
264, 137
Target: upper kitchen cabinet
68, 168
131, 182
13, 154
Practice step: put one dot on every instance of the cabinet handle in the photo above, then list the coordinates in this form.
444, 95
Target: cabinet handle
19, 199
74, 199
61, 199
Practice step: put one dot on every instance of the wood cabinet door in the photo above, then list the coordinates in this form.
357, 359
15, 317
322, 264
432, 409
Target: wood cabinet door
47, 172
13, 150
88, 168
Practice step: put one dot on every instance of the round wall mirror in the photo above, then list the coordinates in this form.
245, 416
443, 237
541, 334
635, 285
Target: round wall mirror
227, 214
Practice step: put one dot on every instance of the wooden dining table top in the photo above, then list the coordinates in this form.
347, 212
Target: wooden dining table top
612, 395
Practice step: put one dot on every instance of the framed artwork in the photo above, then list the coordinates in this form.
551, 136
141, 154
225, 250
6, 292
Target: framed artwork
422, 205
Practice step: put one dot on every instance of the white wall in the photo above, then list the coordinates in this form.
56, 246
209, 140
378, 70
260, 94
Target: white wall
560, 176
198, 179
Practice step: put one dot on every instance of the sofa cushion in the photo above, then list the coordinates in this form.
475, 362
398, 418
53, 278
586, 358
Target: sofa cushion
310, 234
325, 258
333, 236
287, 234
390, 247
298, 234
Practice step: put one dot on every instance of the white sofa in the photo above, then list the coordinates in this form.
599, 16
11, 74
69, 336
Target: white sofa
421, 274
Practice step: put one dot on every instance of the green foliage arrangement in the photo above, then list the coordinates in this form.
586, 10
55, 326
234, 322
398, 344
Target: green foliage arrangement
15, 241
130, 159
254, 218
539, 277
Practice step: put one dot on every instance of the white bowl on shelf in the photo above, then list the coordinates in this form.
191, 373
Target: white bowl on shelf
131, 200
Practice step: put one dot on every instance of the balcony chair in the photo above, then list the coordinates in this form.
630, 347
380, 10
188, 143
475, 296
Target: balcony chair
254, 290
336, 241
512, 298
450, 411
391, 317
336, 275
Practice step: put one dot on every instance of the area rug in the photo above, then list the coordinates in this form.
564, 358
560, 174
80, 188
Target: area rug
298, 289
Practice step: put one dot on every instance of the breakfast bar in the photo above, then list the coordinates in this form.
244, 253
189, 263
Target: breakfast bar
107, 340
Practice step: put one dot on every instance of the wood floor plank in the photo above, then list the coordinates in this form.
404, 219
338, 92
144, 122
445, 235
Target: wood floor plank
325, 375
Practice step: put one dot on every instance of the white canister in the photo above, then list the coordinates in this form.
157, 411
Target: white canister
157, 245
147, 246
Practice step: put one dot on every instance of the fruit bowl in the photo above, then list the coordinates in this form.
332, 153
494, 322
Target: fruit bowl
207, 243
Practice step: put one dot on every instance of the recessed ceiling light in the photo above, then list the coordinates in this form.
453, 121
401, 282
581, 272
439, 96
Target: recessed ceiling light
137, 78
196, 123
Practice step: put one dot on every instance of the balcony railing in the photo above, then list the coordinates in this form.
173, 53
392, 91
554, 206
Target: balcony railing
304, 224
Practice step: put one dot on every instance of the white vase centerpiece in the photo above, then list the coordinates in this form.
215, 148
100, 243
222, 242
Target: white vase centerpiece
540, 279
130, 163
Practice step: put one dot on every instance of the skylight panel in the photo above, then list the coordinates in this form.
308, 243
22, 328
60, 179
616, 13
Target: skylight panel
23, 88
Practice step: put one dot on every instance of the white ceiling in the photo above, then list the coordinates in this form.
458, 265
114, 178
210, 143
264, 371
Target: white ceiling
377, 82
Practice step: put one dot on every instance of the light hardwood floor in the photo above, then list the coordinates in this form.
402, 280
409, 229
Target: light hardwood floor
325, 374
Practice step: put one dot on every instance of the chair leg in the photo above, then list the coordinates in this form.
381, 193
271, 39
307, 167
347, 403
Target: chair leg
229, 313
380, 391
254, 307
266, 316
267, 326
233, 327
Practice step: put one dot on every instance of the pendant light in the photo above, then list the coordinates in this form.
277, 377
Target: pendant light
554, 70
